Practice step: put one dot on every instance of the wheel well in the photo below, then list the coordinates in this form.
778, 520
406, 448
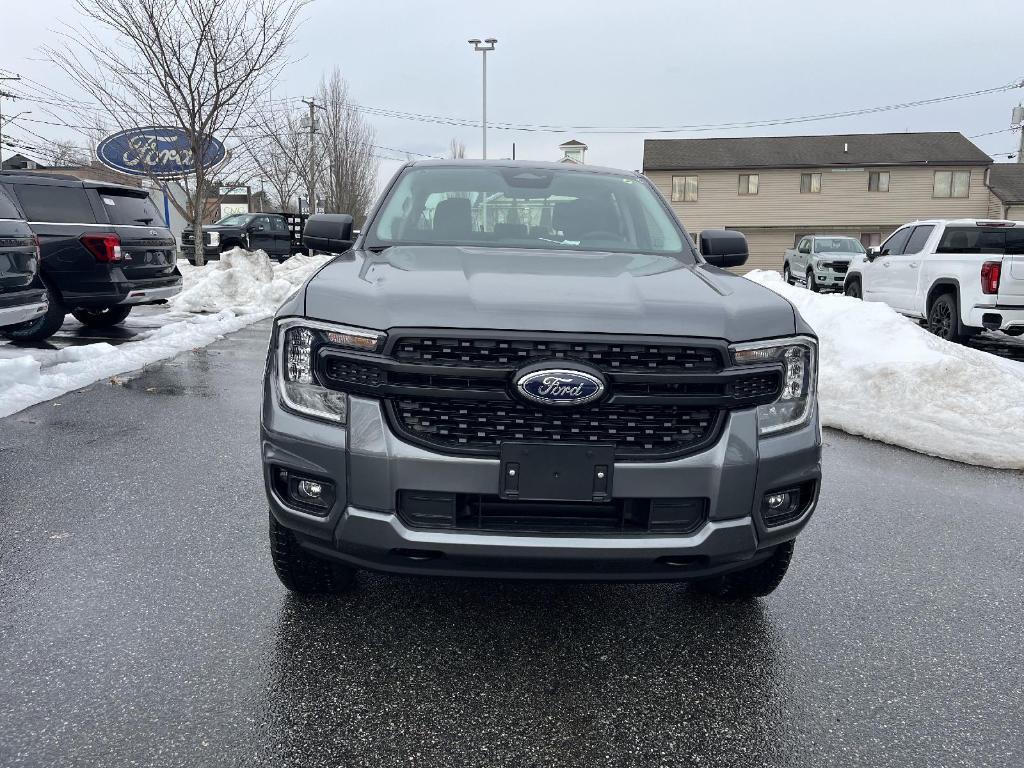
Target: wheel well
853, 277
940, 289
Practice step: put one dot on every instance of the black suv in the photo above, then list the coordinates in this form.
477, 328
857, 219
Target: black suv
103, 249
22, 296
278, 235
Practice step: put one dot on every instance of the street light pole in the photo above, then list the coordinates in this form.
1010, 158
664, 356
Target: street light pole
483, 47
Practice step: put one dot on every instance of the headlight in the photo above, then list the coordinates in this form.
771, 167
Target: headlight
298, 341
214, 238
799, 358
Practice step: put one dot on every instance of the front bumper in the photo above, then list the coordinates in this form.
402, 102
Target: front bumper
829, 277
370, 465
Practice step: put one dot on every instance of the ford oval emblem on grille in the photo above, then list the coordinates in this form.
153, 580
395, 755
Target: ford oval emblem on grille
559, 386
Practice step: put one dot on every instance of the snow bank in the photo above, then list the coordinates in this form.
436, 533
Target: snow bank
885, 377
246, 282
218, 298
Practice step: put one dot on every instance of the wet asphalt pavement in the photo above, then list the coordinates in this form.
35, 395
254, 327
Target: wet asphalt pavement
141, 622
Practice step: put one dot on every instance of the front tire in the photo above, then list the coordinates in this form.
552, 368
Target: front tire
853, 289
787, 275
102, 318
812, 284
302, 573
943, 318
44, 326
757, 581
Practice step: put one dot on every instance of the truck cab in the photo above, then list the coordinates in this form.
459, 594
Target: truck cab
960, 276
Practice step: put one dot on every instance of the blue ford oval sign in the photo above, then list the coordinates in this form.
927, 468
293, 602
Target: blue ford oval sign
559, 386
156, 151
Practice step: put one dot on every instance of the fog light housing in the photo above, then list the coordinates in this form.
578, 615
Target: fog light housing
783, 505
309, 494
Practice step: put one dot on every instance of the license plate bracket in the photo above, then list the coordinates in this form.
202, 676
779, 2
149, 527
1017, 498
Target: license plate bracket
556, 472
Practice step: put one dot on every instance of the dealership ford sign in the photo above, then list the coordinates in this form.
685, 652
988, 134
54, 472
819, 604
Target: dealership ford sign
157, 151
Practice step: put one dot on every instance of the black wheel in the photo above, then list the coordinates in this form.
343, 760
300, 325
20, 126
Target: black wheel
812, 284
942, 318
44, 326
757, 581
102, 318
853, 289
300, 571
787, 275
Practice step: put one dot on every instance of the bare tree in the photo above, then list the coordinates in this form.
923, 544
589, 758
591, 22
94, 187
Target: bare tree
67, 153
347, 140
201, 65
278, 149
456, 149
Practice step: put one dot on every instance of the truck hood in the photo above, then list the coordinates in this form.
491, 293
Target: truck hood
837, 255
217, 228
520, 289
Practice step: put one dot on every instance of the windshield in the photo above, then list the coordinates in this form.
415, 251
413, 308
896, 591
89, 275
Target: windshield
526, 207
837, 245
130, 209
235, 219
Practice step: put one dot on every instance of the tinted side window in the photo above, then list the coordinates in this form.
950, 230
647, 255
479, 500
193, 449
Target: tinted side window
7, 209
917, 240
57, 204
894, 245
278, 224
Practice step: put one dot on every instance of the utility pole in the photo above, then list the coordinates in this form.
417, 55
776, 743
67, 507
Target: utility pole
313, 107
3, 95
484, 47
1018, 121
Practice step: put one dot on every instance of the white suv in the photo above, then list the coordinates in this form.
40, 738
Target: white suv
961, 276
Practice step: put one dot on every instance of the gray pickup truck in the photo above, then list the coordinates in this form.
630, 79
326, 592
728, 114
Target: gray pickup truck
821, 261
526, 370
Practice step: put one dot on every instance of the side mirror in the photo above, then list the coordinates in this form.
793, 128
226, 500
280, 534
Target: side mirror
873, 253
257, 228
330, 232
723, 247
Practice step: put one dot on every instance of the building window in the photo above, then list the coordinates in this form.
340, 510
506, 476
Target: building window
951, 184
684, 189
810, 183
878, 181
871, 239
748, 184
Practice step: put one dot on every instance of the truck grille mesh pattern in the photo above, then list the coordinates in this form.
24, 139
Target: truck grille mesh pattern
481, 425
501, 353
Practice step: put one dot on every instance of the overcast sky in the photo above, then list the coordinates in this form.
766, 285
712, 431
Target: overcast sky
629, 63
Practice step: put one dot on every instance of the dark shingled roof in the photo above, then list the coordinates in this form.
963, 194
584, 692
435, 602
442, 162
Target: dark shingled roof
863, 149
1006, 180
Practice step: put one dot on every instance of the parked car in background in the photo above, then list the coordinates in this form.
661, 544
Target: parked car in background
103, 249
277, 234
821, 261
579, 396
22, 295
960, 276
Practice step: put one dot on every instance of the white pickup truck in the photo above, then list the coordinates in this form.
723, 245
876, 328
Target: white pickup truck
961, 276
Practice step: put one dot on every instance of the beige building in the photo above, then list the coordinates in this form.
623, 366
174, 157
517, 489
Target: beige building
1006, 184
777, 189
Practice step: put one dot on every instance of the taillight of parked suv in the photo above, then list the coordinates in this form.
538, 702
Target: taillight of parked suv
105, 247
990, 272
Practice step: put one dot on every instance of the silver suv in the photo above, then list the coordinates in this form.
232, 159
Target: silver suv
526, 370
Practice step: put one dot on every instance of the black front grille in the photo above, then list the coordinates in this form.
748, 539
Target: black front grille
473, 512
506, 352
480, 426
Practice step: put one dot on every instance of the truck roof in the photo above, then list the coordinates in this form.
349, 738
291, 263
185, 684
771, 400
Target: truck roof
977, 222
550, 166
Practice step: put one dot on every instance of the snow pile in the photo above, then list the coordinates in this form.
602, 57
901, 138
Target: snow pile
244, 282
883, 376
219, 298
